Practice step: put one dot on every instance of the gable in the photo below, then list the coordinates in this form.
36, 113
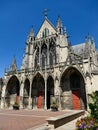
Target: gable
46, 27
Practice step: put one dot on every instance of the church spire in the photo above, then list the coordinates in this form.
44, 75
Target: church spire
31, 35
88, 41
59, 26
93, 43
31, 32
13, 66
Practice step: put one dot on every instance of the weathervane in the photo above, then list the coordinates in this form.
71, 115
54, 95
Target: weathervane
45, 12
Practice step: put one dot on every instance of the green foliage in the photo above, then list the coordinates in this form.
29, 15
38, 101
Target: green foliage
16, 106
54, 106
94, 104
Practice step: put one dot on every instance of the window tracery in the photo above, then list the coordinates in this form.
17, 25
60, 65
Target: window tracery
45, 32
44, 54
52, 53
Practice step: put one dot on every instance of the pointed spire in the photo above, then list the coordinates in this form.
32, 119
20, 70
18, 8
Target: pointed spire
59, 22
31, 34
93, 43
14, 60
92, 40
59, 25
88, 38
65, 31
13, 66
5, 70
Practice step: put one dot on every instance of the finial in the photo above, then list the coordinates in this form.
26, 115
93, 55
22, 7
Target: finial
64, 30
5, 70
59, 22
92, 40
14, 59
45, 12
88, 37
31, 31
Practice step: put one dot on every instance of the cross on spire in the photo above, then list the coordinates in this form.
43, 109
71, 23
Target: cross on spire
45, 12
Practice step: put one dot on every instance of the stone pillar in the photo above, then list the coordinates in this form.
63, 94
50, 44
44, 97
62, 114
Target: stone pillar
30, 100
58, 92
3, 96
88, 89
45, 107
21, 95
45, 87
40, 57
48, 54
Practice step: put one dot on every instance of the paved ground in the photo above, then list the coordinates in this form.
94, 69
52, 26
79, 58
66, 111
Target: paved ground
25, 119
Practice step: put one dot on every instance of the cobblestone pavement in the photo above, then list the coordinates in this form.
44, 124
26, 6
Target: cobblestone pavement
25, 119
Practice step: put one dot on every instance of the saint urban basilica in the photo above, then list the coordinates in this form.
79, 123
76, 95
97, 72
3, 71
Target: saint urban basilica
52, 70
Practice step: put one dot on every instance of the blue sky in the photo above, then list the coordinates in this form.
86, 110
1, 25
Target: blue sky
18, 16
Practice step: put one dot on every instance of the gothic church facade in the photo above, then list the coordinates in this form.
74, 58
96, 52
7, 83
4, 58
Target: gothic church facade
52, 69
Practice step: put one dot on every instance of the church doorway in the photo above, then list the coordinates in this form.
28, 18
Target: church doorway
38, 92
26, 93
50, 90
73, 90
12, 92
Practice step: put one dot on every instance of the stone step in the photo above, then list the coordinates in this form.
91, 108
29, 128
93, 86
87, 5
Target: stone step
55, 122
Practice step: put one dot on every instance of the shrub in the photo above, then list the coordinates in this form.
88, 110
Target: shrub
94, 104
54, 106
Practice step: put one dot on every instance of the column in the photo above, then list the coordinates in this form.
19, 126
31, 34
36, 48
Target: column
48, 54
88, 90
21, 94
3, 97
57, 91
40, 56
30, 105
45, 88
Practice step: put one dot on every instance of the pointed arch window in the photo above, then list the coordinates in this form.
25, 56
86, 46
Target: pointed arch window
44, 55
45, 32
52, 53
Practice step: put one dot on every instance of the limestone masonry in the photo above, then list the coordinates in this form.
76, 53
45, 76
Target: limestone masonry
52, 71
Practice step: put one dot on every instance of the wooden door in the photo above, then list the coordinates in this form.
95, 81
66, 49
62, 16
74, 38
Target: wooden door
17, 99
39, 104
76, 100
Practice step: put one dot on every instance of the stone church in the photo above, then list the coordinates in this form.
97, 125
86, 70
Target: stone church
52, 69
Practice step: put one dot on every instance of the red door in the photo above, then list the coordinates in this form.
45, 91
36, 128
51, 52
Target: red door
39, 104
76, 100
17, 99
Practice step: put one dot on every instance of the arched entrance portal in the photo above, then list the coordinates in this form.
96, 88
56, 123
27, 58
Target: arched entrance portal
12, 92
26, 93
50, 90
73, 90
38, 92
